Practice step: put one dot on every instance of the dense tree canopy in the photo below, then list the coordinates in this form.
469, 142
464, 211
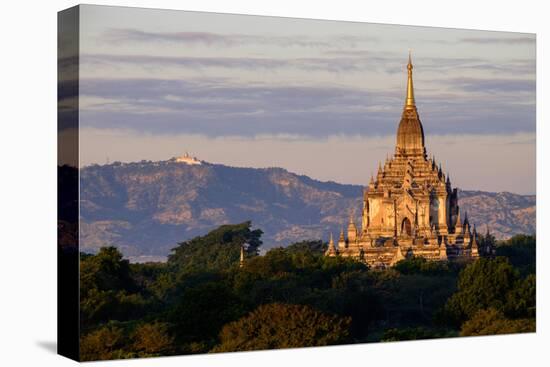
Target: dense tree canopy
492, 322
419, 265
107, 289
153, 339
202, 301
218, 250
521, 251
104, 343
201, 311
283, 326
483, 284
105, 271
492, 295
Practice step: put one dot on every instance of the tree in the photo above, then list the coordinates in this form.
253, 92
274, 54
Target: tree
419, 265
521, 301
311, 246
153, 339
491, 322
201, 311
275, 262
481, 285
306, 254
283, 326
106, 342
218, 250
107, 290
521, 251
487, 244
105, 271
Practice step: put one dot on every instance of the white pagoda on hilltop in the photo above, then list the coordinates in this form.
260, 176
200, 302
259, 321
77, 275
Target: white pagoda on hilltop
188, 159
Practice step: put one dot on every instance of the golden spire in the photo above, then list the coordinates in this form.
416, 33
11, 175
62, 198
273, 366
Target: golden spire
241, 262
409, 102
331, 251
342, 239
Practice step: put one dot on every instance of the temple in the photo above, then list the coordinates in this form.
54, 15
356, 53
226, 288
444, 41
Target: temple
187, 159
410, 207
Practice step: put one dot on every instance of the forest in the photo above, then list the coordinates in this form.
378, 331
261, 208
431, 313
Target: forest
202, 301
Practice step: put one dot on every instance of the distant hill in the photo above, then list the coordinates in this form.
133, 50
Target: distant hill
145, 208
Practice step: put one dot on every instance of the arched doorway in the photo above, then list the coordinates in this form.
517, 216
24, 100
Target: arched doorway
406, 228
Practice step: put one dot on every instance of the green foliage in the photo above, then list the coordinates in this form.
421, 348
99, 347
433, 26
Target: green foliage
153, 339
107, 289
293, 297
487, 244
312, 247
521, 251
414, 299
116, 340
521, 301
353, 296
218, 250
105, 271
482, 284
105, 343
145, 274
289, 276
419, 265
201, 311
307, 254
492, 321
283, 326
275, 263
101, 305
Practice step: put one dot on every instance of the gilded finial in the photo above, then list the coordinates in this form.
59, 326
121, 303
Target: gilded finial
409, 102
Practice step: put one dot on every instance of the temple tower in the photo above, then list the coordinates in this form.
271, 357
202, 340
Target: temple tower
409, 206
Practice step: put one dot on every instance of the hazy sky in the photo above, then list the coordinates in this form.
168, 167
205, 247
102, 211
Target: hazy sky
321, 98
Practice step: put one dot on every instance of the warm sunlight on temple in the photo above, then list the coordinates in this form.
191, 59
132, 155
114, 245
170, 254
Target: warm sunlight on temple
410, 207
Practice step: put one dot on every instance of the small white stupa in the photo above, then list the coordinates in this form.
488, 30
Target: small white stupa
187, 159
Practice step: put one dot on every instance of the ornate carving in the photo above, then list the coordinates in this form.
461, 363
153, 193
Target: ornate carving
408, 204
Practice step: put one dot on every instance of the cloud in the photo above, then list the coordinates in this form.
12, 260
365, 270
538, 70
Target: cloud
343, 61
442, 65
211, 108
527, 40
219, 108
504, 85
118, 35
308, 64
121, 35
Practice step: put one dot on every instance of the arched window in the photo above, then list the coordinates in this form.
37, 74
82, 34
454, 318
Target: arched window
406, 228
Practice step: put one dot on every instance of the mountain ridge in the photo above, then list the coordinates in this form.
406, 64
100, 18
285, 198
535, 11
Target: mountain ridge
145, 208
